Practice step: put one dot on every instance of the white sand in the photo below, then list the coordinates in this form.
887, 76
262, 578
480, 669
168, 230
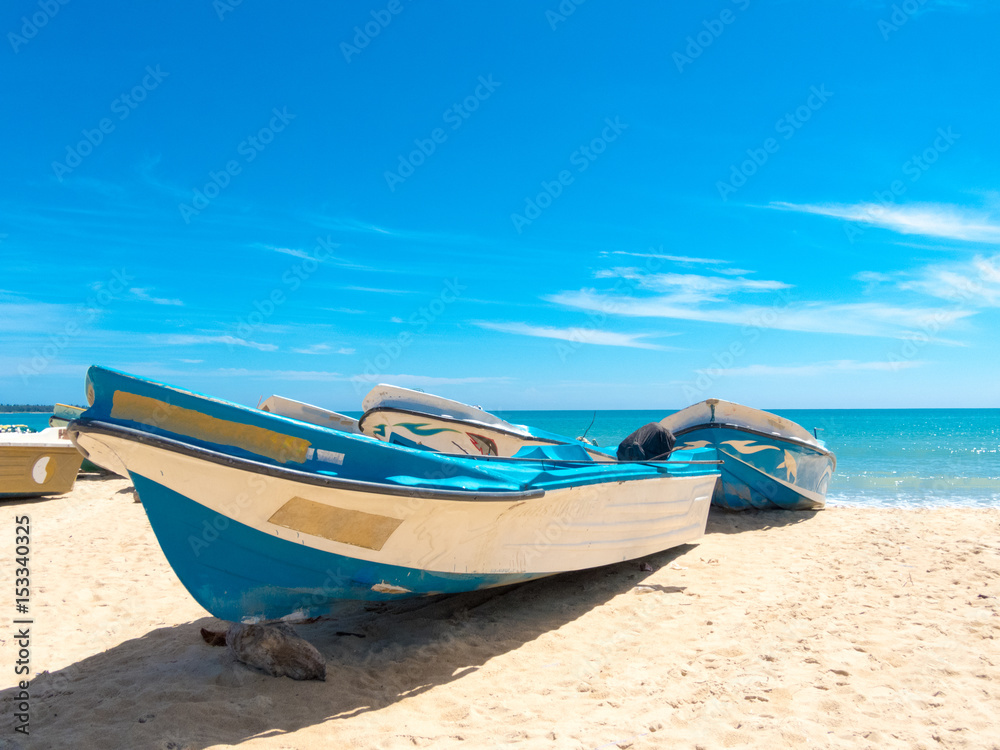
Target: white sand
844, 628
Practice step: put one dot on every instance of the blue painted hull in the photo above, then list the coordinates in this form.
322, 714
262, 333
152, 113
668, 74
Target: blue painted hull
761, 471
235, 571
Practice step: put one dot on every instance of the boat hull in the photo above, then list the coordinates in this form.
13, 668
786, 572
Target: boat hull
250, 544
763, 471
33, 470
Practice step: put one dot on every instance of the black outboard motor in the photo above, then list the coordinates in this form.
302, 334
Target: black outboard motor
648, 442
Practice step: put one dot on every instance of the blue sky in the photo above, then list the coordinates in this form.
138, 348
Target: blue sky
522, 205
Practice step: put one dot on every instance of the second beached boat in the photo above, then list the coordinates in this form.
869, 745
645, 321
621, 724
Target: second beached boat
417, 419
768, 461
261, 516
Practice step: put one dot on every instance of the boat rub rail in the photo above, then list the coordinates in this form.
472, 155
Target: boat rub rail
103, 428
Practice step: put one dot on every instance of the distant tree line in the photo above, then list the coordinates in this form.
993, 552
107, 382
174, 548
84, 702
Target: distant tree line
43, 408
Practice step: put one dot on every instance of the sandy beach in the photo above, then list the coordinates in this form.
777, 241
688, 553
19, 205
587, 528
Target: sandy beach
847, 628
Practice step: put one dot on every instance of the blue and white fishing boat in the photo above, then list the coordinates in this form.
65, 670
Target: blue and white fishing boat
768, 461
422, 420
263, 516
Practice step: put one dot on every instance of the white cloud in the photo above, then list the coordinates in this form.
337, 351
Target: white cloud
344, 310
379, 290
576, 335
175, 339
787, 314
688, 288
421, 381
314, 349
716, 298
323, 349
322, 376
975, 283
321, 254
873, 277
672, 258
291, 251
717, 265
818, 368
143, 293
930, 220
23, 317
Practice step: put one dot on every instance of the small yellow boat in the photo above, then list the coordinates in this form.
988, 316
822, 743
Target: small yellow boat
37, 463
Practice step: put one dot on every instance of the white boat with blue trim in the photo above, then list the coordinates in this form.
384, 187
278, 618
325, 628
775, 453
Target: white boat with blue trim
768, 461
263, 516
288, 407
422, 420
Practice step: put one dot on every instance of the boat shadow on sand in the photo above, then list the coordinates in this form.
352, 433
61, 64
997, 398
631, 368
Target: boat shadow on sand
738, 522
169, 689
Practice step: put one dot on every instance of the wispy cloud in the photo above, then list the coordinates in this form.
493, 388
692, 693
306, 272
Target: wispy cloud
692, 287
429, 381
323, 349
576, 335
379, 290
732, 300
143, 293
146, 169
716, 265
856, 319
343, 310
354, 226
322, 376
932, 5
178, 339
91, 185
321, 254
873, 277
23, 317
929, 219
671, 258
318, 376
818, 368
975, 283
291, 251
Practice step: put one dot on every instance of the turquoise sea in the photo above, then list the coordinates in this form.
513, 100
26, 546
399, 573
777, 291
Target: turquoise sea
34, 421
892, 457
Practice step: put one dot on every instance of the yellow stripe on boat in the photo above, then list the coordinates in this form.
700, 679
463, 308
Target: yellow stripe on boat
195, 424
352, 527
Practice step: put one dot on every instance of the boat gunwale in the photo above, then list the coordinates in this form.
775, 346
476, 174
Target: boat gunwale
326, 412
305, 477
526, 436
771, 435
